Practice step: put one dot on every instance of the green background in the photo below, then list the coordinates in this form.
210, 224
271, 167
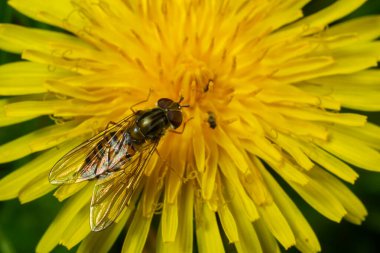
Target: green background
21, 226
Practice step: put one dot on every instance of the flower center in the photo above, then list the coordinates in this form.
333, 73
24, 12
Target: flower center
194, 79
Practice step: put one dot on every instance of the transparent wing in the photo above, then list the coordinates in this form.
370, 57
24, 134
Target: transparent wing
90, 158
114, 192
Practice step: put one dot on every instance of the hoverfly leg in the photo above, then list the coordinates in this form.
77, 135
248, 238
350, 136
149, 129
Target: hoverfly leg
111, 123
183, 128
141, 102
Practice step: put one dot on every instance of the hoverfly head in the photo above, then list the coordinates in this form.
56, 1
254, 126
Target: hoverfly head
173, 110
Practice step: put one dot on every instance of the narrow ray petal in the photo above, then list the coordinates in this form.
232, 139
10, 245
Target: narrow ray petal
184, 236
56, 229
207, 231
102, 241
137, 232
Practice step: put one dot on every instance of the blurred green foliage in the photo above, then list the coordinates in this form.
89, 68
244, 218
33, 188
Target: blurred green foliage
21, 226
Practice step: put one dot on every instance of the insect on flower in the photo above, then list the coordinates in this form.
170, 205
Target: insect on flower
211, 120
117, 157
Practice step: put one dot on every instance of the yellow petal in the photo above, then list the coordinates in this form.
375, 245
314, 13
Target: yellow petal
262, 143
169, 221
365, 78
351, 96
349, 119
57, 228
291, 172
209, 174
352, 150
37, 169
81, 66
206, 229
277, 224
60, 108
356, 211
362, 101
198, 145
267, 240
65, 89
306, 239
255, 186
288, 95
252, 149
174, 179
307, 128
331, 13
60, 13
281, 18
65, 191
34, 108
232, 151
152, 191
102, 241
77, 108
282, 51
321, 199
358, 90
184, 237
362, 28
44, 138
330, 163
264, 112
351, 63
367, 49
21, 78
36, 188
151, 165
16, 39
291, 146
224, 213
309, 64
369, 133
228, 223
280, 123
5, 120
248, 240
229, 171
78, 229
137, 232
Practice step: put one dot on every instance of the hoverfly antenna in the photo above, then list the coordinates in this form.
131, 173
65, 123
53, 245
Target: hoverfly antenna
180, 100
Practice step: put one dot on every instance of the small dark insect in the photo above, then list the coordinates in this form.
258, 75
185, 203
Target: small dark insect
211, 120
117, 157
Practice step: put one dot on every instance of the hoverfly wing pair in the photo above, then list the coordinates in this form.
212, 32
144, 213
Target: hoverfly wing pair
114, 192
110, 158
84, 162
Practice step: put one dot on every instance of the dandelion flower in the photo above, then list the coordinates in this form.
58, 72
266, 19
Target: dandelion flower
266, 87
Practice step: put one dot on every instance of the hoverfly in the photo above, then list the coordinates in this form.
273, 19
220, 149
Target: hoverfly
117, 157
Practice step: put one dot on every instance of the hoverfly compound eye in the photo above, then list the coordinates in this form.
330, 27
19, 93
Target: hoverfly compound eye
175, 118
165, 103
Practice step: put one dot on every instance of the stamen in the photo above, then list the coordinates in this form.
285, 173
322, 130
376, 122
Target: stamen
140, 64
139, 39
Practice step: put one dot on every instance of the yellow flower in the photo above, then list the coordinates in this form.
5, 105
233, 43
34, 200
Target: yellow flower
265, 87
